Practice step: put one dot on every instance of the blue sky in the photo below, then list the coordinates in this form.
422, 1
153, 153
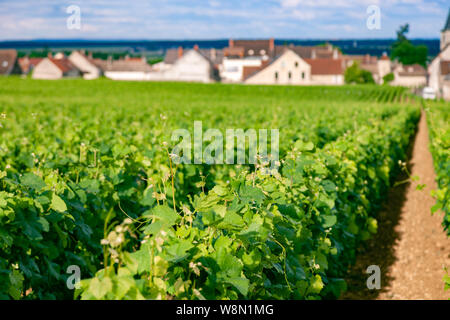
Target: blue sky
215, 19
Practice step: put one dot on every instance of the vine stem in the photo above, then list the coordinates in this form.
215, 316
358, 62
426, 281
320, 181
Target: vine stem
173, 183
105, 230
284, 265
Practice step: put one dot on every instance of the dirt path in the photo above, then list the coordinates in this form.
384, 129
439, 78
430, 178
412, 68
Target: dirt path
410, 247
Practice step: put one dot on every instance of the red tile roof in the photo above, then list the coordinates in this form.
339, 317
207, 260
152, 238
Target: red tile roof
259, 47
135, 59
247, 71
234, 51
251, 47
28, 63
63, 64
325, 66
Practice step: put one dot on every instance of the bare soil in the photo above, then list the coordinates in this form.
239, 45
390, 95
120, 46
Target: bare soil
411, 247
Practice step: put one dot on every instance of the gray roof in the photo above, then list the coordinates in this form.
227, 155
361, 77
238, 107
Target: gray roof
306, 52
215, 56
447, 24
122, 65
171, 56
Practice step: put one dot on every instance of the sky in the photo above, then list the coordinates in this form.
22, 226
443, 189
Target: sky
214, 19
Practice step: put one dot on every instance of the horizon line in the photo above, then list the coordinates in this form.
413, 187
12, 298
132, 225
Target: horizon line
212, 39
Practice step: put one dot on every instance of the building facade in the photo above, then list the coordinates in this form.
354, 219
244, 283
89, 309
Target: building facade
439, 68
287, 69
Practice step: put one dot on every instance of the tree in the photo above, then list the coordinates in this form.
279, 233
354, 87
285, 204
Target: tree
388, 78
354, 74
401, 33
406, 52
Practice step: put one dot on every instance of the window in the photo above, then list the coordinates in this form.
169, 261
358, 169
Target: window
290, 75
232, 69
303, 75
276, 76
262, 52
251, 52
296, 64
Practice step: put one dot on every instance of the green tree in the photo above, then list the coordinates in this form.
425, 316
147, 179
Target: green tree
354, 74
388, 78
406, 52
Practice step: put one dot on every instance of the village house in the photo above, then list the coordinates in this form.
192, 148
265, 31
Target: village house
85, 64
134, 69
413, 76
170, 57
289, 68
58, 67
9, 63
377, 67
173, 54
242, 56
439, 68
326, 71
244, 53
194, 65
27, 64
298, 65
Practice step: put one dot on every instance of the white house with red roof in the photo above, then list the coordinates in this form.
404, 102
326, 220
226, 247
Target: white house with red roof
291, 69
27, 64
55, 68
244, 54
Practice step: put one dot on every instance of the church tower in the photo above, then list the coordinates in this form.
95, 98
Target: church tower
445, 33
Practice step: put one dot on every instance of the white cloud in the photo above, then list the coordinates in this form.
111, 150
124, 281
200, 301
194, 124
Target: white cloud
289, 3
217, 19
304, 15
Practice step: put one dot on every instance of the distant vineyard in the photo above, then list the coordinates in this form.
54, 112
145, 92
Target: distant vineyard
87, 180
350, 93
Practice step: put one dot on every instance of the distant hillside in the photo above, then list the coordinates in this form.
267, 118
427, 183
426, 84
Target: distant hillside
157, 47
